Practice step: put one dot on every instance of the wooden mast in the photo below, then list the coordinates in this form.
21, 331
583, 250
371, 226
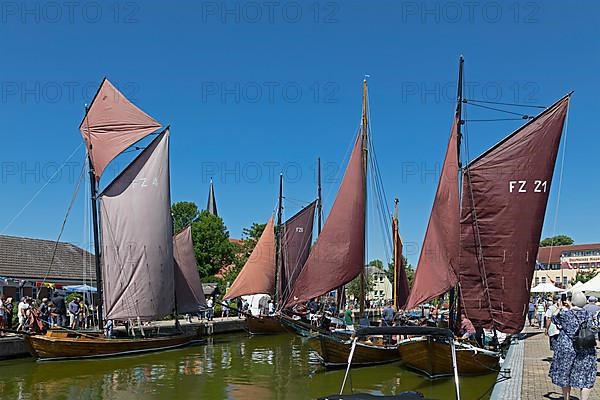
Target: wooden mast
278, 233
365, 154
454, 294
396, 261
319, 203
94, 200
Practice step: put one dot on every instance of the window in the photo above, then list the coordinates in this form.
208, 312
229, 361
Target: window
558, 279
543, 279
537, 281
565, 280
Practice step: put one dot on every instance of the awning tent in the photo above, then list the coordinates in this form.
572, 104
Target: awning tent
545, 288
593, 285
80, 289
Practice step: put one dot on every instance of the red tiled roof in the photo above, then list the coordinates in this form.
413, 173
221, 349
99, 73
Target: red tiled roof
551, 255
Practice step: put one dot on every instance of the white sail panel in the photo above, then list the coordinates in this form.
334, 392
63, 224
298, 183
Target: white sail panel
137, 244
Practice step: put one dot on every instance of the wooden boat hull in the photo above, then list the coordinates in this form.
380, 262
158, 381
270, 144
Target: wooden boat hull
264, 325
62, 347
334, 352
434, 359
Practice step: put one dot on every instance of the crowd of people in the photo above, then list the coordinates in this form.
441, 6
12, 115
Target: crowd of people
33, 315
571, 324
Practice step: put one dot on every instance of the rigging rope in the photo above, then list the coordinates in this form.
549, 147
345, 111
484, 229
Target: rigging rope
502, 104
62, 228
560, 179
524, 116
48, 181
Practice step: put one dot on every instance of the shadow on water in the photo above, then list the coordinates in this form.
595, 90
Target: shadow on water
228, 367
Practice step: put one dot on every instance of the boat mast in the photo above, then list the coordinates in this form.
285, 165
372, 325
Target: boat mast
365, 153
396, 261
319, 203
278, 255
94, 194
455, 293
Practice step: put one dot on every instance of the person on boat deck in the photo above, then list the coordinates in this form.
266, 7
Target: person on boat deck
44, 310
74, 309
388, 315
271, 307
240, 306
467, 330
61, 309
348, 318
571, 366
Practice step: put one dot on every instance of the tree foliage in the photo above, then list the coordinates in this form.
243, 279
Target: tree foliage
410, 271
353, 288
211, 244
559, 240
250, 237
583, 276
184, 213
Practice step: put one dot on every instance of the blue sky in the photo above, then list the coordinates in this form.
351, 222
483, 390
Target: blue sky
253, 88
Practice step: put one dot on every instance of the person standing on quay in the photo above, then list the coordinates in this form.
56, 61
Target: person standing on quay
531, 312
74, 309
541, 310
593, 309
551, 329
9, 312
209, 306
573, 367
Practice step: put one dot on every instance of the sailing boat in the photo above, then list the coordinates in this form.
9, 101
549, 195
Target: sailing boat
274, 264
339, 256
136, 269
486, 247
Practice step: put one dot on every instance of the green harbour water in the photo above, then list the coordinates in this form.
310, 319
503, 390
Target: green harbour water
234, 366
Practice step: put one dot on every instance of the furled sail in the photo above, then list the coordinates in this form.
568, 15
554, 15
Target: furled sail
505, 193
401, 289
436, 270
338, 255
188, 287
112, 124
258, 274
137, 243
295, 247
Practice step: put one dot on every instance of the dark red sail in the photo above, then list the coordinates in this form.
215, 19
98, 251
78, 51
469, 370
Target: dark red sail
338, 255
401, 289
505, 193
295, 247
435, 273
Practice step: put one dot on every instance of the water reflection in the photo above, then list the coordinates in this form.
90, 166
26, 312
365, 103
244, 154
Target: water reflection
229, 367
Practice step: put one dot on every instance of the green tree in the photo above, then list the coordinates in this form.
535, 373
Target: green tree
211, 244
184, 213
353, 288
584, 276
250, 237
559, 240
410, 271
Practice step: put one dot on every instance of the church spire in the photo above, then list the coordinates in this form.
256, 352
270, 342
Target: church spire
211, 207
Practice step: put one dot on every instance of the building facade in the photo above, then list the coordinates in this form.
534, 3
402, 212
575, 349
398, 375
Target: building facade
559, 264
29, 267
382, 290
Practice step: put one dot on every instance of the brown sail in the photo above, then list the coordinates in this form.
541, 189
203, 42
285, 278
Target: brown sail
435, 273
188, 287
505, 193
111, 125
258, 274
338, 255
295, 247
137, 246
401, 289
